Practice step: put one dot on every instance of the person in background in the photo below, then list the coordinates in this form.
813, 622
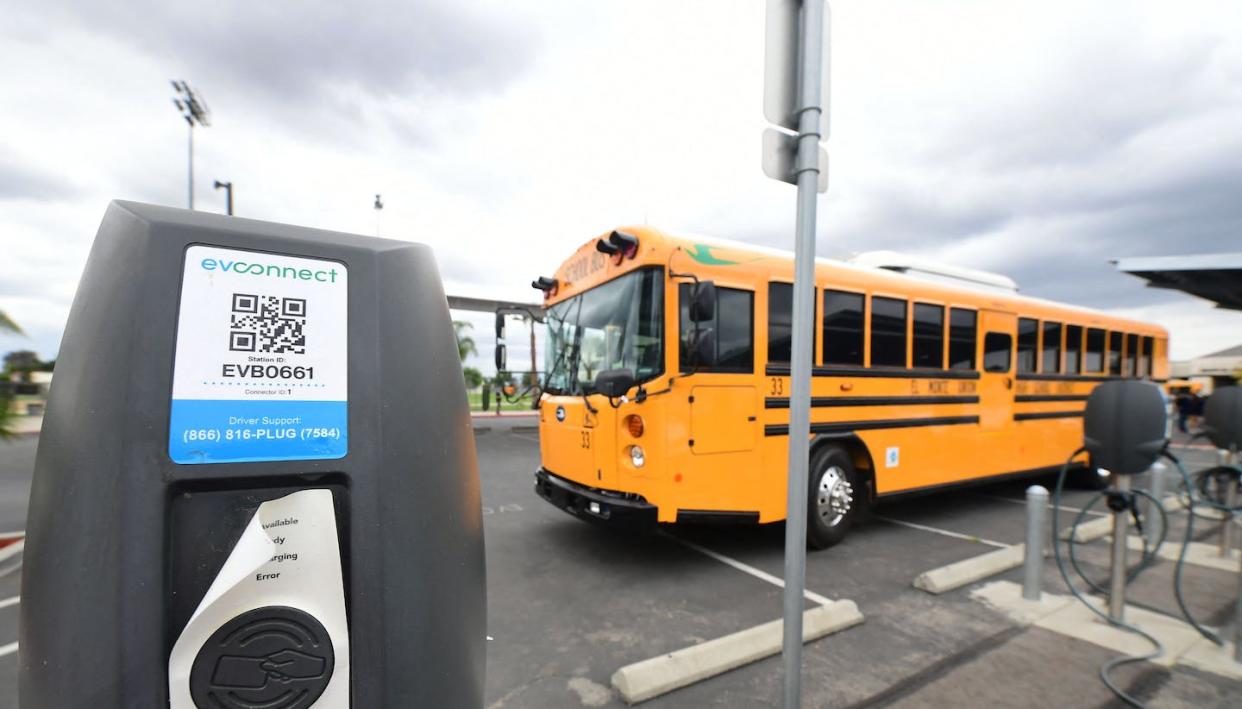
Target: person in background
1183, 410
1196, 409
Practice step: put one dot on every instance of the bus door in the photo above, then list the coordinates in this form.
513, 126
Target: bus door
721, 462
996, 392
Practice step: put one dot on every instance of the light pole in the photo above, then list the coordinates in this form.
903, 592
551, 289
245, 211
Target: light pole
194, 110
228, 191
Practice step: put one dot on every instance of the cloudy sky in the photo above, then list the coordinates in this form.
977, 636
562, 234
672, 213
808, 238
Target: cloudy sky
1036, 139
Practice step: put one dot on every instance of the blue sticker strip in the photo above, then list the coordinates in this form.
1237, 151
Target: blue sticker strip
232, 431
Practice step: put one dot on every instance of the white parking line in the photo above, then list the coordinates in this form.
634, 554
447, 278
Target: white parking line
747, 568
942, 532
8, 649
1063, 508
10, 601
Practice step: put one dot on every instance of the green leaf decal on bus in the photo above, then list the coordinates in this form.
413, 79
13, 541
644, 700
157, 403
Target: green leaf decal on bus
703, 254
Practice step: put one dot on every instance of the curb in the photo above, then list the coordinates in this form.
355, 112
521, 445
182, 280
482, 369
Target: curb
1090, 531
659, 675
966, 571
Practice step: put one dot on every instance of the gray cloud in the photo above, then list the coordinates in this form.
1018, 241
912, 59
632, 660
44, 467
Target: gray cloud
21, 181
1120, 150
298, 58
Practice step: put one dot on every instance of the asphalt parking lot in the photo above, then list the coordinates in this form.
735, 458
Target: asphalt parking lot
570, 603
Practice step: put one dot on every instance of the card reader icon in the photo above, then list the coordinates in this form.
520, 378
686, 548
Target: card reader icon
285, 666
267, 658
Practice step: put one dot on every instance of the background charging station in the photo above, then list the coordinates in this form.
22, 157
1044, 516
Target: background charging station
256, 483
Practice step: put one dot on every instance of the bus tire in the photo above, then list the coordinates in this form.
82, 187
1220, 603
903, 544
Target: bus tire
834, 497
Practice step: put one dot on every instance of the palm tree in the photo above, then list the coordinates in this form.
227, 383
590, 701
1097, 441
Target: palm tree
465, 343
7, 324
6, 414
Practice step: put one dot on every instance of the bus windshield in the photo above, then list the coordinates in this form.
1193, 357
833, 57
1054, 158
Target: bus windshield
616, 325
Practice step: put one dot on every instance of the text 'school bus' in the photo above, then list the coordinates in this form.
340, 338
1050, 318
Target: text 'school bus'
667, 383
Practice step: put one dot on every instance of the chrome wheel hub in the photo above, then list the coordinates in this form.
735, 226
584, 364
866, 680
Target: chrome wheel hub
833, 496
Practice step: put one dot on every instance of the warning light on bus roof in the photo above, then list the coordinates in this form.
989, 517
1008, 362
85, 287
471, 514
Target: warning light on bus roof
627, 243
549, 286
619, 245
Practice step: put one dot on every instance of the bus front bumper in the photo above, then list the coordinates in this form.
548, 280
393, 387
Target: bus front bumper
613, 508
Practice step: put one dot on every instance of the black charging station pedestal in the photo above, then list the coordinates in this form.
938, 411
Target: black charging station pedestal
256, 483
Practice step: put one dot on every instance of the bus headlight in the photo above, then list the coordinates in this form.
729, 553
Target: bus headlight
636, 456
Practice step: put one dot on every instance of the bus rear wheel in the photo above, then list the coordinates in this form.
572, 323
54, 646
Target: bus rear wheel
833, 499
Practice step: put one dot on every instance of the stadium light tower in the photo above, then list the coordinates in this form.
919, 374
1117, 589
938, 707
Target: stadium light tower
194, 110
379, 206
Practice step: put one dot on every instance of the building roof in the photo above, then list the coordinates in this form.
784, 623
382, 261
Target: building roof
1214, 277
1235, 351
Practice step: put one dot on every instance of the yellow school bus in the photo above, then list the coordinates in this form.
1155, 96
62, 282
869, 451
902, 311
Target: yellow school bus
667, 381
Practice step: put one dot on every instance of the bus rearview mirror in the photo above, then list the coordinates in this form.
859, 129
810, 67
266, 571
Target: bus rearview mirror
500, 357
703, 305
614, 382
500, 326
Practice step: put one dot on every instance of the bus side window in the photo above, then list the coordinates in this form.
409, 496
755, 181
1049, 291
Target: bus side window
1114, 353
888, 332
997, 348
1028, 344
962, 338
928, 335
733, 327
1094, 363
780, 322
843, 327
1073, 349
1132, 345
1145, 364
1052, 348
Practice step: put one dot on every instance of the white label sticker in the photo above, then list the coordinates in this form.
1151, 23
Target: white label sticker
261, 360
892, 457
287, 557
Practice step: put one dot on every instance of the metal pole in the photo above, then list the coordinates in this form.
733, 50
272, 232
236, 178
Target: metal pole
534, 374
1036, 527
191, 180
1230, 497
1237, 621
807, 168
229, 196
1153, 530
1117, 585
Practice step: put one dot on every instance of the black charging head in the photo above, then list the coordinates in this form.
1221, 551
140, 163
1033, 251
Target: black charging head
1222, 417
1124, 427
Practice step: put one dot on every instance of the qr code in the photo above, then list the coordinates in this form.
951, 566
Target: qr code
268, 324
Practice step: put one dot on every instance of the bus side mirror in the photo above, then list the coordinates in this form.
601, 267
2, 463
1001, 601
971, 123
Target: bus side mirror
703, 304
500, 357
500, 326
614, 383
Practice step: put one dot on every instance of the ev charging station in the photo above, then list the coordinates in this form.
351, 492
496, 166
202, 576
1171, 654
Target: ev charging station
1124, 432
256, 482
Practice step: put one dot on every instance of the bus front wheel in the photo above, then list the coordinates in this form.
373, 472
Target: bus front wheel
833, 499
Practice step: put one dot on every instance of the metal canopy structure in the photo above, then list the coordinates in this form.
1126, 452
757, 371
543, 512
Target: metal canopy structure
488, 305
1214, 277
